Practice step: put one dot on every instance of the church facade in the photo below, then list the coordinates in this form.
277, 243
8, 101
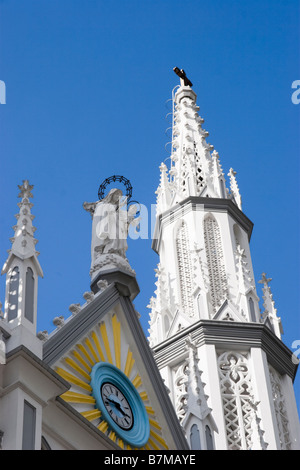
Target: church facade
214, 373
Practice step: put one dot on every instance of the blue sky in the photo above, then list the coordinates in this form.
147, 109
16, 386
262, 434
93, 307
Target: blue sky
87, 85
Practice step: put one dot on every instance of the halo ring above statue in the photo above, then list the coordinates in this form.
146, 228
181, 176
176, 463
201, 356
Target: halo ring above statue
113, 179
128, 186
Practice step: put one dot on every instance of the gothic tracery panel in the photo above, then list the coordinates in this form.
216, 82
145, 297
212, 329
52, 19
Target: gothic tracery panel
184, 269
215, 262
280, 410
236, 391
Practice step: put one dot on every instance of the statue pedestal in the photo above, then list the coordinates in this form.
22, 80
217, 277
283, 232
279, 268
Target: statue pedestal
123, 278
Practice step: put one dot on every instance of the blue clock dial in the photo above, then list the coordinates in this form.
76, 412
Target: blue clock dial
117, 405
120, 404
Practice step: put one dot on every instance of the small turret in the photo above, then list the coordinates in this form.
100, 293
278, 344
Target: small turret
22, 270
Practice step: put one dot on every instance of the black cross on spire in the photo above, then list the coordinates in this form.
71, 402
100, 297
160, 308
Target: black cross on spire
183, 78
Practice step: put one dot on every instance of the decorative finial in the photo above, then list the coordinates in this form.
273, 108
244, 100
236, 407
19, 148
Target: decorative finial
264, 280
88, 296
75, 308
25, 190
43, 335
102, 284
59, 321
183, 78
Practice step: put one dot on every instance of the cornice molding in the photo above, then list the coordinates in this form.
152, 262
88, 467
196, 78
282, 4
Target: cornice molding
227, 335
37, 363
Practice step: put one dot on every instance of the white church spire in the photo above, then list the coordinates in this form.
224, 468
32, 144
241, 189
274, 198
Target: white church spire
195, 166
206, 312
22, 267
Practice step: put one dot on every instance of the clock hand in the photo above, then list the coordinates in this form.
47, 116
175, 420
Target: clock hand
118, 406
114, 402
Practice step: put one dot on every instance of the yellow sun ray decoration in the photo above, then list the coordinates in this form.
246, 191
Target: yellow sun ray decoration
77, 368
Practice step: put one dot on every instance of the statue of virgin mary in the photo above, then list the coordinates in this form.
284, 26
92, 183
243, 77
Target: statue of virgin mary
111, 222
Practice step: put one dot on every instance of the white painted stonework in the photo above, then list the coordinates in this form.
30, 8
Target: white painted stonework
47, 399
205, 288
215, 374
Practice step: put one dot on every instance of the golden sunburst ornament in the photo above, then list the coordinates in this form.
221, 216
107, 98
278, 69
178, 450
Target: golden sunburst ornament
107, 389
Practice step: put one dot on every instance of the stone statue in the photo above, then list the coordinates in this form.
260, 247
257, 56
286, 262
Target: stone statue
111, 222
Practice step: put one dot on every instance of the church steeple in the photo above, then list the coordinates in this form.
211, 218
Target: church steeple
206, 299
214, 284
22, 267
195, 166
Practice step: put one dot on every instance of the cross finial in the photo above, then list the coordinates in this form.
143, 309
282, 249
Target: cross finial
184, 81
264, 279
25, 189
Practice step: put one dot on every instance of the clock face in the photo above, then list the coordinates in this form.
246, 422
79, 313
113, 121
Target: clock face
120, 404
117, 405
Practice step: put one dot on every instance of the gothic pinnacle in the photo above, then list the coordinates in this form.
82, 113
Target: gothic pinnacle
270, 311
234, 188
23, 241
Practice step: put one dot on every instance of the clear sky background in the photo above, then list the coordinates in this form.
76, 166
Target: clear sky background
87, 90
